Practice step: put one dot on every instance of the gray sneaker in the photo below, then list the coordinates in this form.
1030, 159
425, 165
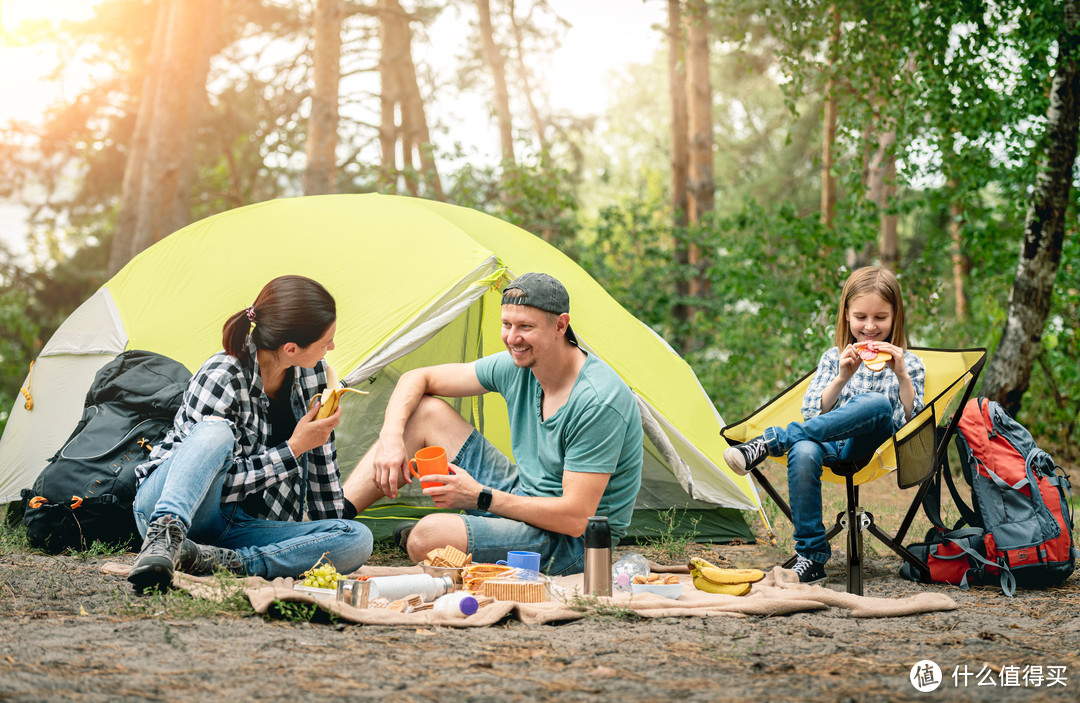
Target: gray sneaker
201, 559
160, 552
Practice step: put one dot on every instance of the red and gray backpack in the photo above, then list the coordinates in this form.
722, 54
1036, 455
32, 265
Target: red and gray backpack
1018, 529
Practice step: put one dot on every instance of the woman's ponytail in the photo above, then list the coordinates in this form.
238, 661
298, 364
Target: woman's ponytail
288, 309
235, 333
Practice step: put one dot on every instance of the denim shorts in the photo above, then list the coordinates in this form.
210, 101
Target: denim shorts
490, 536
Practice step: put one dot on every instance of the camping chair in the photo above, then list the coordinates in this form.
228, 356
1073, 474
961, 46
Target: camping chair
914, 453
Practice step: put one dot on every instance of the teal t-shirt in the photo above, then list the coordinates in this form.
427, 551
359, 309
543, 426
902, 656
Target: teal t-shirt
598, 430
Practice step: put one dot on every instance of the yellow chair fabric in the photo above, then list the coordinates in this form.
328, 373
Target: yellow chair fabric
910, 452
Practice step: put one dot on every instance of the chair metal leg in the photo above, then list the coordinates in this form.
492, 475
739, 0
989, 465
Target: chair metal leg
854, 519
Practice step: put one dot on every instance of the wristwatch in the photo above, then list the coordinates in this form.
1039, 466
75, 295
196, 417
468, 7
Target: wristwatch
483, 501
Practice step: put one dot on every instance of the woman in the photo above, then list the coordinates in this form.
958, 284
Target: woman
246, 454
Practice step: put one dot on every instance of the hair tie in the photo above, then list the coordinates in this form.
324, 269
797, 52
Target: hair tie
250, 312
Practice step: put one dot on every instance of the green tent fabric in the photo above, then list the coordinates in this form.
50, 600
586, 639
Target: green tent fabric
417, 282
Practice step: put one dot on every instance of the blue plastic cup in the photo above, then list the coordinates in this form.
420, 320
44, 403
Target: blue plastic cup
528, 562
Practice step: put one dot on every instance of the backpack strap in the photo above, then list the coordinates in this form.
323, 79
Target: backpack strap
932, 499
1008, 580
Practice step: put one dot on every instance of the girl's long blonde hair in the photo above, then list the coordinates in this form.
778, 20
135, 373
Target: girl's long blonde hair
880, 281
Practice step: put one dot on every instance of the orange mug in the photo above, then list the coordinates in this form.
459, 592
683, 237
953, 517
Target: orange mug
429, 460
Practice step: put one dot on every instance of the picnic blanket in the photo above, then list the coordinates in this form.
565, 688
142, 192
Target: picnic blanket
779, 593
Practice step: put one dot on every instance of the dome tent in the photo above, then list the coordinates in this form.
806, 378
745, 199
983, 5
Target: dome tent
417, 282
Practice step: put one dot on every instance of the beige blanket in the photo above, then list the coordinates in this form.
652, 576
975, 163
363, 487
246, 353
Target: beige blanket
780, 593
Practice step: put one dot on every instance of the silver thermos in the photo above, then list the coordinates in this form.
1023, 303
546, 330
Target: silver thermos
598, 557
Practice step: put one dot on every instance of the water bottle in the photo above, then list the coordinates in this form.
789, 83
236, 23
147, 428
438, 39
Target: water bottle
625, 569
456, 605
395, 587
597, 556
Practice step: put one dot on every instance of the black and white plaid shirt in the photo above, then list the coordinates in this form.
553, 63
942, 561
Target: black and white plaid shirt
228, 388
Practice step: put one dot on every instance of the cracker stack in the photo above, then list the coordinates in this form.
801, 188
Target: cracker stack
519, 591
449, 557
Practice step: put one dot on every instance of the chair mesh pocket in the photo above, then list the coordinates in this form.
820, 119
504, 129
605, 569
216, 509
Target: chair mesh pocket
915, 454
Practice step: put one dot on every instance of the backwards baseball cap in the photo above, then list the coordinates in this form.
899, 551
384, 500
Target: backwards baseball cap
541, 291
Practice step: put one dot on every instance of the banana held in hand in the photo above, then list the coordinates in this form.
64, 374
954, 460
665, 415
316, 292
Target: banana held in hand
712, 579
331, 397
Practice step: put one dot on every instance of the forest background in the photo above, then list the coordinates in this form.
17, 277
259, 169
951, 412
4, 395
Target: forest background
764, 151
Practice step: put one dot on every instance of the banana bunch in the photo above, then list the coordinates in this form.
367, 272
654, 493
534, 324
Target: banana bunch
331, 396
713, 579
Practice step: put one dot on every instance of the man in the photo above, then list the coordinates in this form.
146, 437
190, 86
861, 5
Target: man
575, 431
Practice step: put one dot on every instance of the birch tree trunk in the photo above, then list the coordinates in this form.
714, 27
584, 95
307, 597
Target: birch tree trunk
168, 166
1008, 374
322, 137
494, 59
701, 185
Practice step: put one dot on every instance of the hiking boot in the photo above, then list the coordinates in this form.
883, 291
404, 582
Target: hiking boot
201, 559
401, 534
160, 551
810, 572
746, 456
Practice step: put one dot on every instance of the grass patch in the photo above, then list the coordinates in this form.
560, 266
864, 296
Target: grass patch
101, 549
672, 542
386, 553
225, 599
12, 533
600, 608
298, 612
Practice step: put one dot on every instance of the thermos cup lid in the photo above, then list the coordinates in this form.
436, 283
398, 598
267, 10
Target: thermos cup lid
597, 533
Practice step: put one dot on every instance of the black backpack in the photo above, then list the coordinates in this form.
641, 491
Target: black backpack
86, 492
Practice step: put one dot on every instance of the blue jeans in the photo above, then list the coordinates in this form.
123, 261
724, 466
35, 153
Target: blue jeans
188, 485
491, 537
847, 433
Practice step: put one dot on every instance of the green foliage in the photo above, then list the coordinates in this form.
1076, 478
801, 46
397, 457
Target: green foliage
673, 541
16, 344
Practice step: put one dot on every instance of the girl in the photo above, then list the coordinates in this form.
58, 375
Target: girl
849, 409
246, 454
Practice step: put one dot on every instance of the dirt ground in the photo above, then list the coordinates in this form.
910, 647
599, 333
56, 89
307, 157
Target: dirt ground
69, 631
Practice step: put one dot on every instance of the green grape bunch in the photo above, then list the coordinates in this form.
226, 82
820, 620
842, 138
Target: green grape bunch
322, 575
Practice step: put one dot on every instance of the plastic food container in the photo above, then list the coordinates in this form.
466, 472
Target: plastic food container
320, 593
667, 590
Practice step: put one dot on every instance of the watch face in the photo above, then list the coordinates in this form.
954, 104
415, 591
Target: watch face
483, 501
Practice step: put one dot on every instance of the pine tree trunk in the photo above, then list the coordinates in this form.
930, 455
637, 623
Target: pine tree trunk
168, 169
828, 137
404, 118
322, 137
122, 247
1009, 372
959, 267
889, 241
389, 97
526, 84
701, 186
680, 156
494, 59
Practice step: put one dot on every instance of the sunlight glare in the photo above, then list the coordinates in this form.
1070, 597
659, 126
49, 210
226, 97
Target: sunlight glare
25, 91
